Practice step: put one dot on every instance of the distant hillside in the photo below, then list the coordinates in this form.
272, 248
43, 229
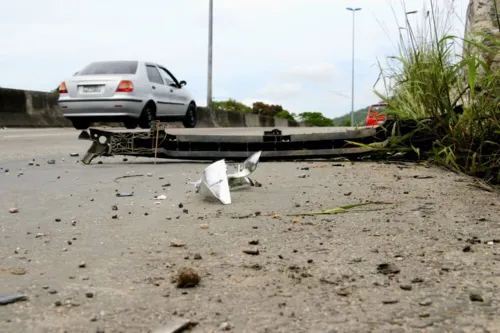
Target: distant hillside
359, 117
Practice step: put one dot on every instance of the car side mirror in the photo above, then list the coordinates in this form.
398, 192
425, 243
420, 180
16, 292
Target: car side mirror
183, 83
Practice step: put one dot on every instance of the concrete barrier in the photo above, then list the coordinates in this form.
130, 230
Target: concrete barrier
24, 108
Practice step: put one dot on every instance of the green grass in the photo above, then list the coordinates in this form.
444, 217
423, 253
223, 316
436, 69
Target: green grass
459, 94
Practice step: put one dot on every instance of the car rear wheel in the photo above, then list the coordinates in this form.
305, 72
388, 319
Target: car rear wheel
147, 117
190, 117
130, 124
80, 124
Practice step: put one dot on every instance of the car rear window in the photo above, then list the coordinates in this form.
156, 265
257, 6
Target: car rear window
110, 67
378, 108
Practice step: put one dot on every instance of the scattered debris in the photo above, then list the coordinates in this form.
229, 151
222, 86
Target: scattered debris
225, 327
187, 278
166, 185
303, 176
114, 207
251, 252
296, 220
177, 326
177, 244
89, 294
124, 194
425, 302
52, 291
204, 226
51, 162
341, 209
18, 271
181, 205
304, 168
150, 174
128, 176
476, 297
197, 256
407, 287
388, 268
82, 264
11, 298
185, 211
254, 242
74, 154
13, 210
423, 177
390, 301
216, 182
161, 197
467, 248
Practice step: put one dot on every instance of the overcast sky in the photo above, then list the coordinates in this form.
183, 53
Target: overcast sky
296, 53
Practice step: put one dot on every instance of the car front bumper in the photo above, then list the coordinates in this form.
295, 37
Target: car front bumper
101, 108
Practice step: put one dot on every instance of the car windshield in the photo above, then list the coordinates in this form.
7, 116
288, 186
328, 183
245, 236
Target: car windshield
110, 67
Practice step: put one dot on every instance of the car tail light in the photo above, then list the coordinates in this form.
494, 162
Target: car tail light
63, 89
125, 86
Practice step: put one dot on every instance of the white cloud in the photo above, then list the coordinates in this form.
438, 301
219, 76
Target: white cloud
315, 73
279, 90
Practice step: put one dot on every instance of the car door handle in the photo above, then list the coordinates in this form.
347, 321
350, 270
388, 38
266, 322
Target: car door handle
154, 87
171, 90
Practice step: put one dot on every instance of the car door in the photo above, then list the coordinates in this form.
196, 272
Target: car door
160, 91
179, 97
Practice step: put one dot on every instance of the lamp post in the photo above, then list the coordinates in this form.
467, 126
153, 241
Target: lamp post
210, 43
353, 10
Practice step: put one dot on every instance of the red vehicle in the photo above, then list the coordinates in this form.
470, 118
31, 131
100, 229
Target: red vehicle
374, 118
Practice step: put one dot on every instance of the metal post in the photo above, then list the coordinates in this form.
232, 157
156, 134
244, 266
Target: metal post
210, 44
353, 10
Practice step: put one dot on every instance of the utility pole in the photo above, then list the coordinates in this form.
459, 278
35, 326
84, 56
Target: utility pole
210, 47
353, 10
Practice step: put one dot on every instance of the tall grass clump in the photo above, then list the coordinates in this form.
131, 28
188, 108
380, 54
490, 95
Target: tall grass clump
453, 97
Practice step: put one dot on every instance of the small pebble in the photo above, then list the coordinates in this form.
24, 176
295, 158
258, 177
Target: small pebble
13, 210
89, 294
57, 303
476, 297
93, 317
406, 287
52, 291
82, 264
225, 327
197, 256
425, 302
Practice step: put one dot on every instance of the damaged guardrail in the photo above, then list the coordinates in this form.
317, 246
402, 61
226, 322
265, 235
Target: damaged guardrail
273, 145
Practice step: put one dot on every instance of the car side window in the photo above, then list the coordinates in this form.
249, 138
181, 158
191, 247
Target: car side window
153, 74
167, 77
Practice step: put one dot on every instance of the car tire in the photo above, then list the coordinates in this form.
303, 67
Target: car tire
130, 124
190, 117
81, 124
147, 117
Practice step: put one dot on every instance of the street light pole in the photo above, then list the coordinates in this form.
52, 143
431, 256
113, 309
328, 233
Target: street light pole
353, 10
210, 45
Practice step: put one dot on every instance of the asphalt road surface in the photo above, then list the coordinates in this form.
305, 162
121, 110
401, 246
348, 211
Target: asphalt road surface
428, 260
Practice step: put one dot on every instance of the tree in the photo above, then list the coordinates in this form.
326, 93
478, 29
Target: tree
264, 109
285, 115
231, 105
315, 119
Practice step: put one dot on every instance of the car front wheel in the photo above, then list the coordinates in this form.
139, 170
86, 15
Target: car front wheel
190, 117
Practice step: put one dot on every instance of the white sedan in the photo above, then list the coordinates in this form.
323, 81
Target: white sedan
132, 92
